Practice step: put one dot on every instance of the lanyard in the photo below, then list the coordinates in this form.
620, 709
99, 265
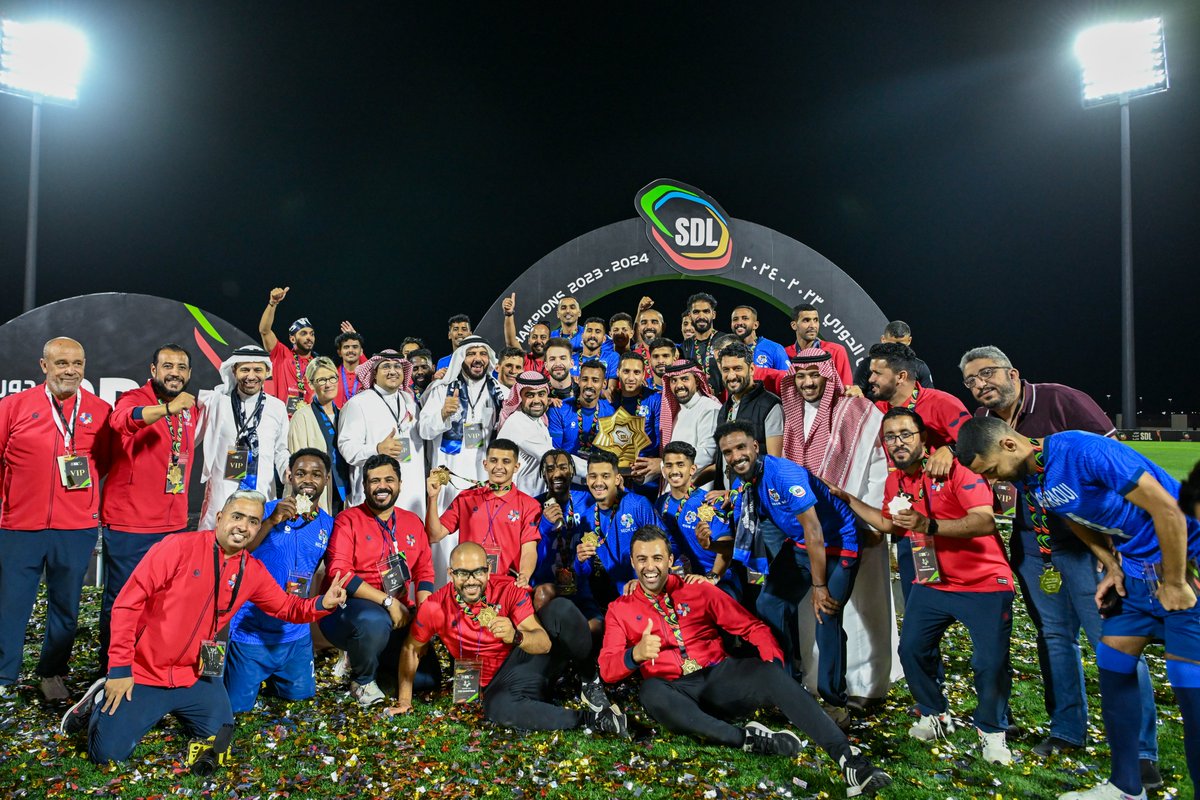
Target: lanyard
503, 501
666, 609
347, 390
1037, 511
472, 402
396, 413
241, 419
60, 419
389, 531
237, 584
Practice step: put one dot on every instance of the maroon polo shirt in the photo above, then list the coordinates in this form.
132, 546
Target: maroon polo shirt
1048, 408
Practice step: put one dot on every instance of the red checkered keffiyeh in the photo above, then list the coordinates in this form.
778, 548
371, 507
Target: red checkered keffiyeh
529, 379
365, 372
829, 450
670, 405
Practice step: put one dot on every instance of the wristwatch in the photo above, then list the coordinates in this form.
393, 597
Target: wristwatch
387, 601
933, 526
518, 637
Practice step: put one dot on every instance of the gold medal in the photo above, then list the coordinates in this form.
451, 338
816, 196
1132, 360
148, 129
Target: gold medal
706, 513
442, 474
690, 665
175, 474
486, 616
304, 504
1051, 580
589, 539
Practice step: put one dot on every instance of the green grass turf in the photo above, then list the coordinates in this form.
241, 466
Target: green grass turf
327, 748
1177, 458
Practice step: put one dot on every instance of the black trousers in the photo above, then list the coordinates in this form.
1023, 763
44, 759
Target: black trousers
515, 698
701, 703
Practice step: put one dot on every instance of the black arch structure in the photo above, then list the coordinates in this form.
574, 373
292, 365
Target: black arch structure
765, 263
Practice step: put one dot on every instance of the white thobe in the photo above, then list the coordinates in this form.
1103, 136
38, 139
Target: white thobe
533, 437
366, 420
216, 429
467, 462
872, 661
695, 424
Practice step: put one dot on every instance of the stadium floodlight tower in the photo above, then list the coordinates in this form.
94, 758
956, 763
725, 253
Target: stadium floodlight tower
43, 61
1120, 61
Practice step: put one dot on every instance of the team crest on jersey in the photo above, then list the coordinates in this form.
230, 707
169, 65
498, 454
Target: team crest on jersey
683, 609
627, 521
797, 491
412, 540
514, 515
690, 518
85, 418
774, 495
761, 359
643, 410
323, 537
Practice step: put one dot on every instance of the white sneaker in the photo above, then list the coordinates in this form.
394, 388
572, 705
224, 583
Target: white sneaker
1102, 791
5, 689
54, 690
341, 666
995, 748
931, 727
367, 694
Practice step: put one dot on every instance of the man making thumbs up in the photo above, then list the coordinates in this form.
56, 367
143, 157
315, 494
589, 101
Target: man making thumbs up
670, 629
535, 344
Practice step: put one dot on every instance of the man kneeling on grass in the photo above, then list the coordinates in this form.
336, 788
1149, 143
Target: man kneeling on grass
170, 626
501, 650
670, 629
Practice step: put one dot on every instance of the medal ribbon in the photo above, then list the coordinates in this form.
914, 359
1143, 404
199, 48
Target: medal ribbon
666, 609
299, 374
911, 405
587, 437
1037, 511
347, 389
176, 436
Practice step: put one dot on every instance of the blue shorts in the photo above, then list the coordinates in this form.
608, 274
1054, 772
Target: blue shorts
1142, 615
287, 667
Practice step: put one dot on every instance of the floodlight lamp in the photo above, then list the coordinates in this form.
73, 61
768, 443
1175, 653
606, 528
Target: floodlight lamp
1122, 60
42, 60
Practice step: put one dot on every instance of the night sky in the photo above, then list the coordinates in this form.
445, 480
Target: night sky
396, 163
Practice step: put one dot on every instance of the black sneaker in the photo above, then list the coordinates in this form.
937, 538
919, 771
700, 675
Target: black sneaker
861, 777
1052, 745
77, 716
761, 739
593, 695
610, 720
1152, 779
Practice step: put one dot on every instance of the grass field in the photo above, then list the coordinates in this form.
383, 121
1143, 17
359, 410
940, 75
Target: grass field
1177, 458
327, 748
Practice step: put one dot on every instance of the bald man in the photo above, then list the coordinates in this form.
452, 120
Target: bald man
54, 445
504, 654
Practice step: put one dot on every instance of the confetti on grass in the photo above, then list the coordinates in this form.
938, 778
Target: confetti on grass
328, 748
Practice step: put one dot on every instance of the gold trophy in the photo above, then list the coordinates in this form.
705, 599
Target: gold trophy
624, 435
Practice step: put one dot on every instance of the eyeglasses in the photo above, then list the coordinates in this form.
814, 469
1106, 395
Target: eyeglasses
902, 436
984, 374
391, 365
326, 381
467, 574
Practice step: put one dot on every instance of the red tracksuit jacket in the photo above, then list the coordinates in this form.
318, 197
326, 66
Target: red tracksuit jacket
165, 609
30, 444
359, 546
135, 497
704, 612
